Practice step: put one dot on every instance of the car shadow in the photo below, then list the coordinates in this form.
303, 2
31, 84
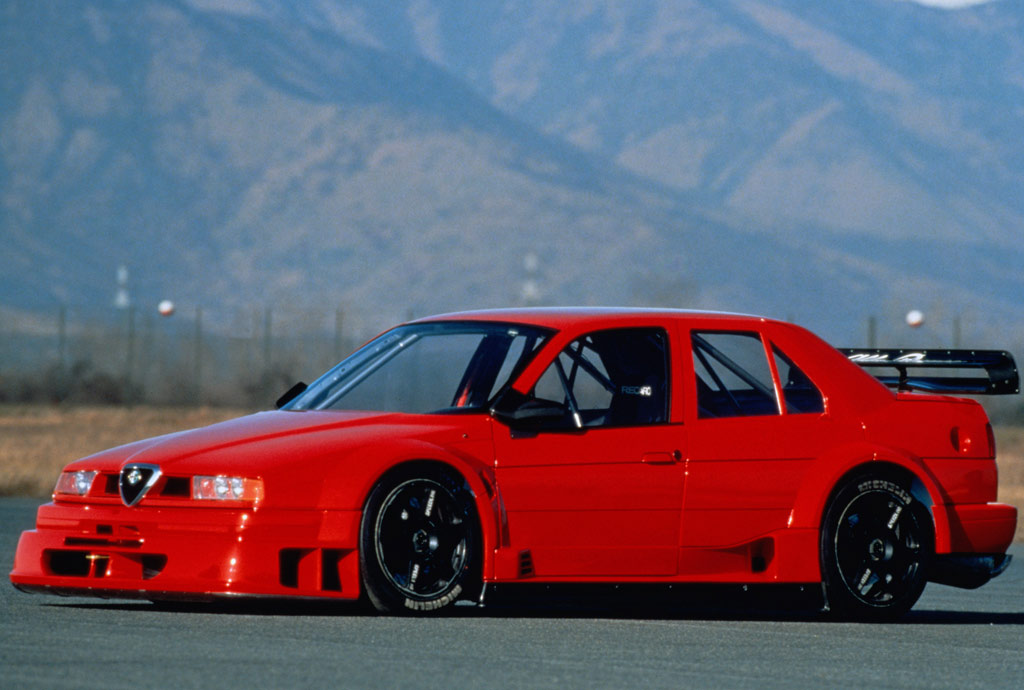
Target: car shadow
712, 602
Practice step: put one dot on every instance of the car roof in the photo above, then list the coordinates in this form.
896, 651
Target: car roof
562, 317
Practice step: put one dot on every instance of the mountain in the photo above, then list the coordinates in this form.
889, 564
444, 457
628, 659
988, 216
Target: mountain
237, 161
885, 131
874, 116
816, 162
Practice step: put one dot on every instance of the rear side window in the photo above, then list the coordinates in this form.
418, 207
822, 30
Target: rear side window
800, 395
734, 378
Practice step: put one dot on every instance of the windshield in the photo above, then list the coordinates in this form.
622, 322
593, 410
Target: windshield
427, 367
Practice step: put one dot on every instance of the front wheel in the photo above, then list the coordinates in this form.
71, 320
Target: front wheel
876, 541
419, 542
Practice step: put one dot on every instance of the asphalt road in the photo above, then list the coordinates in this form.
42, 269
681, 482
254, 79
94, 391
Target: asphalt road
953, 638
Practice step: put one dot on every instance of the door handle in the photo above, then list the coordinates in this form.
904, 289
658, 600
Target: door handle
661, 458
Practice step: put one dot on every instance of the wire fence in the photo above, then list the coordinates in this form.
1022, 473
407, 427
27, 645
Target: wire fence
249, 357
207, 357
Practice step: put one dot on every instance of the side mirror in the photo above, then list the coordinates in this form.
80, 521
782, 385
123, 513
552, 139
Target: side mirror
525, 413
289, 395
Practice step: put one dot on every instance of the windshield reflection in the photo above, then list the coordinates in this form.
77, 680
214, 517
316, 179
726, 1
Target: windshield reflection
426, 368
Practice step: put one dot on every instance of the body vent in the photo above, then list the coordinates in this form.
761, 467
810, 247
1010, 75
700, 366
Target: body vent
310, 569
525, 564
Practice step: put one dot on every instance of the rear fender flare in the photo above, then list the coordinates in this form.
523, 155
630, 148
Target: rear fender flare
833, 469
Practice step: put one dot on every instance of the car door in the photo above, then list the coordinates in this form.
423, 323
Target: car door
756, 424
595, 488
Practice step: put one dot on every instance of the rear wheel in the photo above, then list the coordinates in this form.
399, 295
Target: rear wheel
419, 542
876, 541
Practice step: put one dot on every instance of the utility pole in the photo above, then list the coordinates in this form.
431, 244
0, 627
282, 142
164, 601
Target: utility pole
530, 292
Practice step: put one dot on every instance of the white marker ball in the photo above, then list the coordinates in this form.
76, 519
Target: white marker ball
166, 307
915, 318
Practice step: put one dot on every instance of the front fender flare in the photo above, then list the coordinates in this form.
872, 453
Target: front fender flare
364, 468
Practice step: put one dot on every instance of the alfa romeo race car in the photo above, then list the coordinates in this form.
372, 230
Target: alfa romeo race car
557, 446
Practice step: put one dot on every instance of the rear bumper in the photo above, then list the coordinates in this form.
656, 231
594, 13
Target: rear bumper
977, 528
188, 553
975, 552
968, 571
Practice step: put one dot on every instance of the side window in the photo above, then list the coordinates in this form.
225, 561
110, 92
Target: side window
611, 378
733, 375
800, 395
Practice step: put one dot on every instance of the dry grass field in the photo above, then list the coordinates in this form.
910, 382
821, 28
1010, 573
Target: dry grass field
37, 441
1010, 455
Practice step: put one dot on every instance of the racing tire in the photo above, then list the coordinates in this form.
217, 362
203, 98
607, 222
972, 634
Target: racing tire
419, 542
876, 543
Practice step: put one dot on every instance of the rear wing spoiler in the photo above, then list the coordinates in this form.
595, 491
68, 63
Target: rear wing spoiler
928, 370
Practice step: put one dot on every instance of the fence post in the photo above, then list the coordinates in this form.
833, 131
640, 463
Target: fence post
62, 353
339, 316
129, 359
62, 338
198, 358
267, 319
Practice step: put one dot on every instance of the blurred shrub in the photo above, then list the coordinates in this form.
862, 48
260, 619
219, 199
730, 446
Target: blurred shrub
80, 383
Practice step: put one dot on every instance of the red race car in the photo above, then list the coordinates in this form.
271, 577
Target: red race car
557, 446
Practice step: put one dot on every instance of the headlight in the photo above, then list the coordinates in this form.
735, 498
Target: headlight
74, 483
227, 489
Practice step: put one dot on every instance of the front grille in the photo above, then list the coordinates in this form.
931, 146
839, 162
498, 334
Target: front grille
97, 541
166, 487
177, 487
110, 485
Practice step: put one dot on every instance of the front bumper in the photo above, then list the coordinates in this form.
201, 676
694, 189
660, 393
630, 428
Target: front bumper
188, 552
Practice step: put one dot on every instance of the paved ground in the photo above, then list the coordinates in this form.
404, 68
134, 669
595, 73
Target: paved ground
953, 638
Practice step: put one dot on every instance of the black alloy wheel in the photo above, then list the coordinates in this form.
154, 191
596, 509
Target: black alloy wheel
876, 543
419, 542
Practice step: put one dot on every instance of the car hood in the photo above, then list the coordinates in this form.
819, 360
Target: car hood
266, 437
